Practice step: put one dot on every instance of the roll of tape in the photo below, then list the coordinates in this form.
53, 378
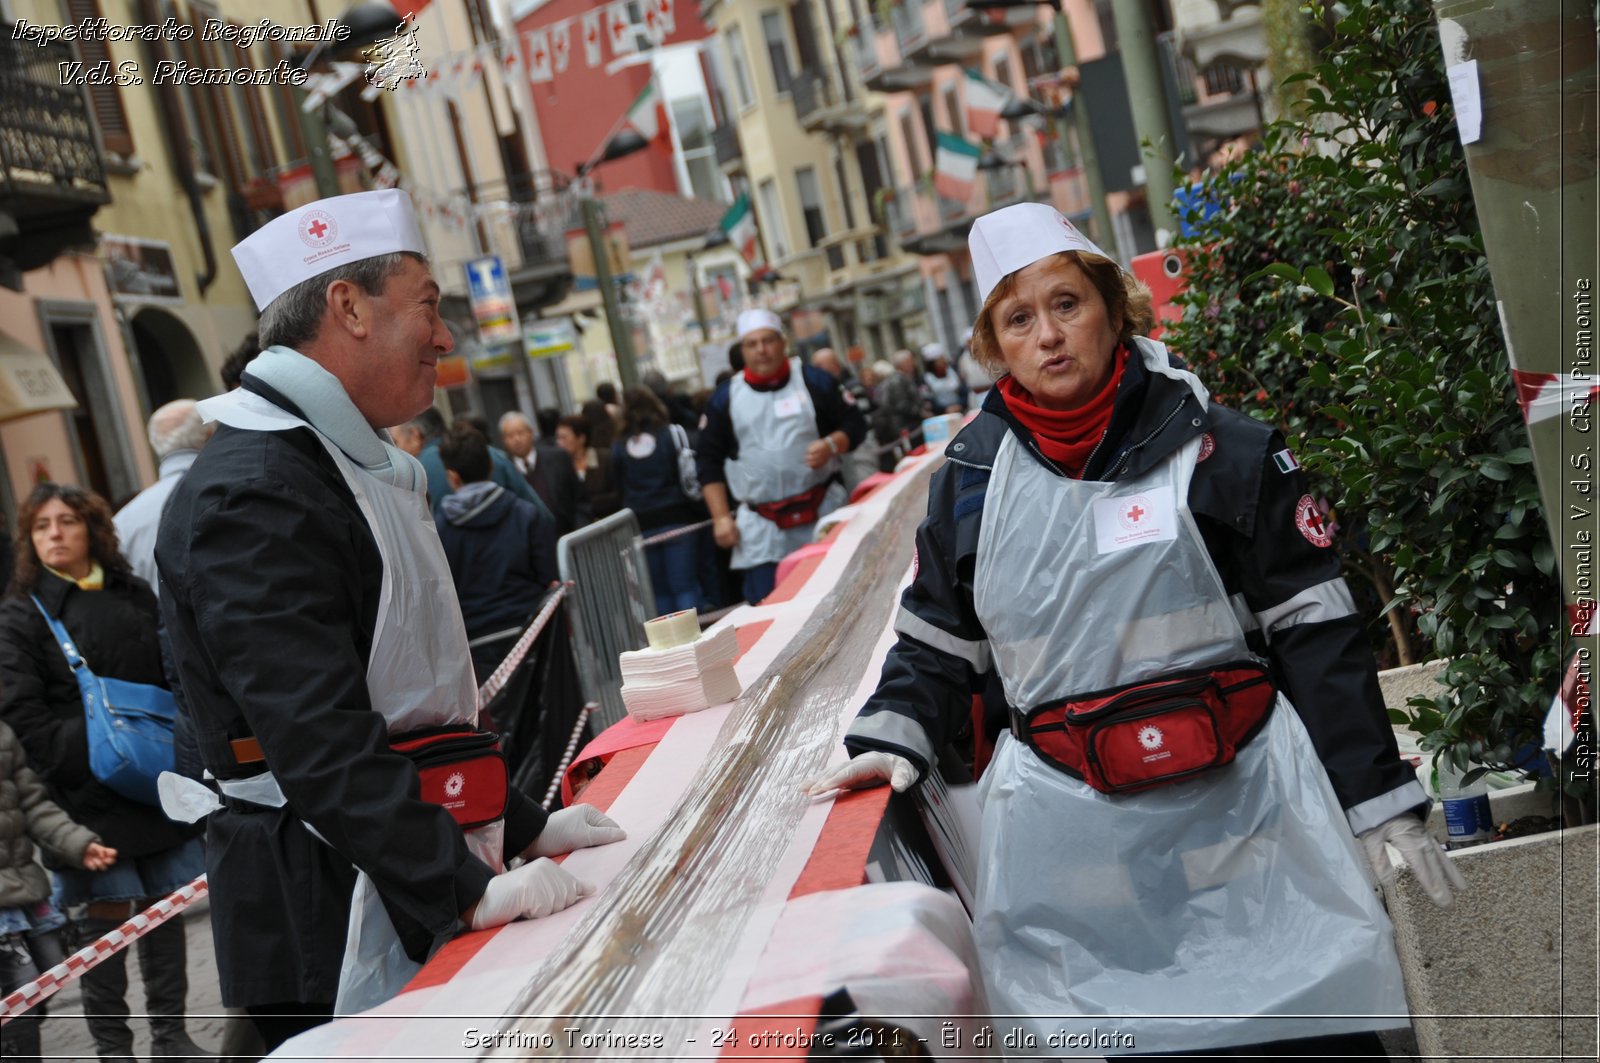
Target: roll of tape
674, 629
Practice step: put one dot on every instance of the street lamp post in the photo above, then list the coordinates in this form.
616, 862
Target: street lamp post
621, 333
625, 142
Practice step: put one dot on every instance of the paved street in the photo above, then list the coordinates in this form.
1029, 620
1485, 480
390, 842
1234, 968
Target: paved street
66, 1037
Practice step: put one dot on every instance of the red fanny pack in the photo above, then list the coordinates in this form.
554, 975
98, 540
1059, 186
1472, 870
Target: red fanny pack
462, 770
1152, 733
792, 512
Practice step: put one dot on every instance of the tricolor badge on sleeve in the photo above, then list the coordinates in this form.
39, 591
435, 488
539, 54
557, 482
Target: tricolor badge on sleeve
1285, 461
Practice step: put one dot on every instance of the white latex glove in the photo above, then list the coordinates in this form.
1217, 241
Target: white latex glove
530, 891
1436, 872
867, 770
578, 827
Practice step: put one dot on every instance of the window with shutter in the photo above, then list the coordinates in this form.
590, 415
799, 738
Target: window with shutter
104, 100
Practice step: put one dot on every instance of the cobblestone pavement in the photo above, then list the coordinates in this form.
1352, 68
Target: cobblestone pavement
65, 1036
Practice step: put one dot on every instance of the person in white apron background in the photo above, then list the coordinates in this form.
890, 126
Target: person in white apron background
1196, 739
770, 443
314, 627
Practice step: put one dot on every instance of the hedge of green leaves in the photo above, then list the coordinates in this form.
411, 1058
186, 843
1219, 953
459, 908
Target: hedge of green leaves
1343, 295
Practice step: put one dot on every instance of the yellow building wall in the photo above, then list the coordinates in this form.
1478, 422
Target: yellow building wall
41, 442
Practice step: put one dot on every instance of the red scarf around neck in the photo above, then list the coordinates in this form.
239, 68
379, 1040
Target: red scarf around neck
1066, 437
775, 380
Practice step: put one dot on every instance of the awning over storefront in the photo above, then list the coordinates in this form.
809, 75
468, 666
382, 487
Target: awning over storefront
29, 381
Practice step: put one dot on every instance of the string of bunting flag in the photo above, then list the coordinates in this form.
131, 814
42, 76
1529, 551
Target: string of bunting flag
540, 54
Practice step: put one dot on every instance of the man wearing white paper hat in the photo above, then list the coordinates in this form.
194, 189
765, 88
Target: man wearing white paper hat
771, 438
311, 618
1107, 549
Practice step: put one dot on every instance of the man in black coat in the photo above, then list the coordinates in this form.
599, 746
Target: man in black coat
278, 605
546, 466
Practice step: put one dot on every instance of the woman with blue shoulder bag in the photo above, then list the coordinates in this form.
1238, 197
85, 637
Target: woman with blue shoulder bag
78, 639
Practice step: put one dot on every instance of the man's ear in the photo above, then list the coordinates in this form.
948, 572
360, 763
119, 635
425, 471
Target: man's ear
351, 309
454, 478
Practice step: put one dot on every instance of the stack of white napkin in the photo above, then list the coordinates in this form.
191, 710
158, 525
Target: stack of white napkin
688, 678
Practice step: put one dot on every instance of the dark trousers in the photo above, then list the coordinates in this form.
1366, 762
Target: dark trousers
279, 1022
23, 957
759, 581
674, 570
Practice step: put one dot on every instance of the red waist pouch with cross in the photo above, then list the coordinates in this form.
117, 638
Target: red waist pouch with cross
1152, 733
796, 510
462, 770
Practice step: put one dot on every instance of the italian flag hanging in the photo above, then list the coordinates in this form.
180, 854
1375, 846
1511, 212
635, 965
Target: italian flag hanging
984, 102
740, 225
648, 118
955, 167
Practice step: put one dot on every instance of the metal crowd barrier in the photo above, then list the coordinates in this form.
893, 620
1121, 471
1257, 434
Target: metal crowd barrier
611, 598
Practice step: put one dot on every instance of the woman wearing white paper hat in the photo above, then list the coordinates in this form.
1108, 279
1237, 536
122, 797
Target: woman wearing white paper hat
1195, 736
771, 438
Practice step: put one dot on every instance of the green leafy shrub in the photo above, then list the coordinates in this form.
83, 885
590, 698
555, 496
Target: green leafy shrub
1342, 294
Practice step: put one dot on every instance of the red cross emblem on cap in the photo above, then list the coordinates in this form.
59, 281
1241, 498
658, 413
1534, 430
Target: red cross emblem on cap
317, 228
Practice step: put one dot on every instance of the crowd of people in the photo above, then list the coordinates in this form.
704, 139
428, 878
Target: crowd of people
288, 580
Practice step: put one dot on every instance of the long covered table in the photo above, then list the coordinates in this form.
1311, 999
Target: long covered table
736, 904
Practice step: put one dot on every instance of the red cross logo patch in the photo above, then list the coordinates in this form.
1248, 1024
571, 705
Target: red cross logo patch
1208, 447
1132, 514
1312, 524
317, 228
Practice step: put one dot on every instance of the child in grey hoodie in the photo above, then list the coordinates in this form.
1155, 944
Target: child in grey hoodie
30, 937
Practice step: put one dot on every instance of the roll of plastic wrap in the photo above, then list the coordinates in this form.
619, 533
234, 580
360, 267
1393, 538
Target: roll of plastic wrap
674, 629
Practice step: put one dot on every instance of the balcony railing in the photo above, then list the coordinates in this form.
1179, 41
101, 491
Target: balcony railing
909, 29
47, 143
897, 213
809, 91
725, 138
543, 210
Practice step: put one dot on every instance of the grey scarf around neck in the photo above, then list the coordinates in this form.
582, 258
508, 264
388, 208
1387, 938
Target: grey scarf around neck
327, 407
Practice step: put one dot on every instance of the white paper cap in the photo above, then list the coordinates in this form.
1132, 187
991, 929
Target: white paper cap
752, 320
1016, 237
930, 351
320, 236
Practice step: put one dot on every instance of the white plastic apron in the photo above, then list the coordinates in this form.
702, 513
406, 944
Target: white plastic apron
1235, 898
419, 674
774, 429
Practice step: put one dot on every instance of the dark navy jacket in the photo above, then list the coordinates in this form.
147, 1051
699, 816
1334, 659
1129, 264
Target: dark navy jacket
502, 554
1244, 503
718, 444
651, 487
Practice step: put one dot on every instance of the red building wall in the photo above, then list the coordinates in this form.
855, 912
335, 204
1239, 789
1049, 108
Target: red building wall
582, 104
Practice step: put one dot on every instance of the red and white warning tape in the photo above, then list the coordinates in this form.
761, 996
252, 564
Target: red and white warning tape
73, 967
502, 674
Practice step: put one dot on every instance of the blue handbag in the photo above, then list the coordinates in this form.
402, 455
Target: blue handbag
128, 725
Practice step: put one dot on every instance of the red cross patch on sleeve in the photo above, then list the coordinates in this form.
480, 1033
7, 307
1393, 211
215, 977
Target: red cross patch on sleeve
1308, 517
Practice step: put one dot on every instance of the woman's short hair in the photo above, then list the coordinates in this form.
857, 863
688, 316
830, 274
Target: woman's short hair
1125, 297
642, 412
90, 508
577, 424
